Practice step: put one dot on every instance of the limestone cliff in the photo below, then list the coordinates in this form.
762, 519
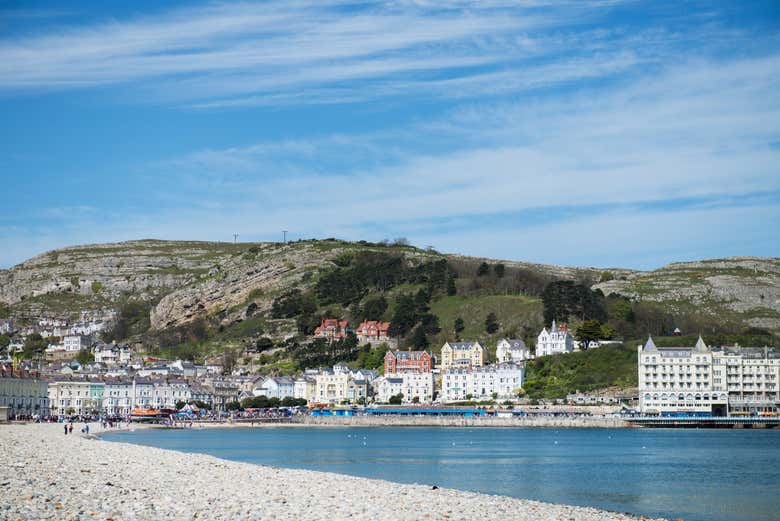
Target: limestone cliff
185, 280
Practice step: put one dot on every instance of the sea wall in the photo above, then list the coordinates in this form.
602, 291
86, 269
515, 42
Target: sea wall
444, 421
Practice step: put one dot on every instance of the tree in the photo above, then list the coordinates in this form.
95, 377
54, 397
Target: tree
607, 331
5, 341
491, 323
458, 326
452, 289
483, 269
416, 399
419, 339
34, 346
565, 298
405, 315
264, 344
5, 311
373, 308
499, 270
85, 357
590, 330
396, 399
233, 406
179, 405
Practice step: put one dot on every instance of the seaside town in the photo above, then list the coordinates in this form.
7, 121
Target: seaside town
114, 381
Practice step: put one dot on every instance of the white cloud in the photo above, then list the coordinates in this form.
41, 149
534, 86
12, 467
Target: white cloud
239, 54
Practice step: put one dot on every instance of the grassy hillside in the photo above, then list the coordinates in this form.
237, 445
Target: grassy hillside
556, 376
518, 315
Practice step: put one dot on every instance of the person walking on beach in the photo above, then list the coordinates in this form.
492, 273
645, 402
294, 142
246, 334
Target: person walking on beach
66, 428
71, 428
86, 428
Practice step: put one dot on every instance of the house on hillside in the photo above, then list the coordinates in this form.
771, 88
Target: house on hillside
512, 350
462, 354
557, 340
374, 332
332, 329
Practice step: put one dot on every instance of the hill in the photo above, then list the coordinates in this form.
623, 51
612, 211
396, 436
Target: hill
191, 297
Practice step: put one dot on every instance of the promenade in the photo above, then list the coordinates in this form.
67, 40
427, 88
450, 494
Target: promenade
53, 476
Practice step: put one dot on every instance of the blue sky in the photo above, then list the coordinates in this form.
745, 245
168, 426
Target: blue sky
609, 133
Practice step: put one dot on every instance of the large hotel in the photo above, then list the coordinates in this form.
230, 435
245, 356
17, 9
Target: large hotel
708, 381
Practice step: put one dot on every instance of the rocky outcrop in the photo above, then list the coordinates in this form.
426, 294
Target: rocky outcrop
746, 286
190, 279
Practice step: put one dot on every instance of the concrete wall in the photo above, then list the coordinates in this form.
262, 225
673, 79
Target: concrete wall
439, 421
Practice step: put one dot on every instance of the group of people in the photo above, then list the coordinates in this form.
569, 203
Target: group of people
68, 427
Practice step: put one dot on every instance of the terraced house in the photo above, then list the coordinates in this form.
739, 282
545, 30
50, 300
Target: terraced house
23, 395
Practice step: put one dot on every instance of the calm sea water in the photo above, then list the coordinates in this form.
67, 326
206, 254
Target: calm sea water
699, 475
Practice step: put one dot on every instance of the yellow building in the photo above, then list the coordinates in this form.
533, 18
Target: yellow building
462, 355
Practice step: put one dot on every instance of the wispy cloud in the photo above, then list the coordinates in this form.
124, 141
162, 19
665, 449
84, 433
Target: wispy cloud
233, 54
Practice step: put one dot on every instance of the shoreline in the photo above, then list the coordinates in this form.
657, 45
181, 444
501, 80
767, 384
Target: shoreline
54, 476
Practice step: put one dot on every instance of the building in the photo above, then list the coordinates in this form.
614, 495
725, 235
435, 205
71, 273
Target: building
118, 397
373, 332
462, 354
358, 390
512, 350
276, 387
75, 343
305, 387
399, 362
496, 381
112, 354
223, 392
674, 380
414, 387
556, 341
750, 375
79, 397
332, 329
332, 387
6, 328
24, 395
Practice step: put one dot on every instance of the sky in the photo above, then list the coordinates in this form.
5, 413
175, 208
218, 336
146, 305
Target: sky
608, 133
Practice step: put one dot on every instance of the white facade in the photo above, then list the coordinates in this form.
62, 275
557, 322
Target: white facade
74, 342
512, 351
557, 340
111, 354
332, 387
503, 380
677, 379
305, 387
27, 396
276, 387
410, 385
118, 397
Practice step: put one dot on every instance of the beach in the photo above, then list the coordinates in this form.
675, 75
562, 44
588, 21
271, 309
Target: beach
48, 475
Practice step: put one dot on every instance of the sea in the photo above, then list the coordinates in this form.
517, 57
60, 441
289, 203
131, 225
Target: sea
696, 475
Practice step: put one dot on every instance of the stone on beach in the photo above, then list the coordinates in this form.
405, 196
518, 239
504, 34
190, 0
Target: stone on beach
71, 477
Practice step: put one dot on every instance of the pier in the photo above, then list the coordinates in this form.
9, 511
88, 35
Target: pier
715, 422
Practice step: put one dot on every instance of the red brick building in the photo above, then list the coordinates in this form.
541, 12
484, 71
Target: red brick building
373, 331
398, 362
332, 329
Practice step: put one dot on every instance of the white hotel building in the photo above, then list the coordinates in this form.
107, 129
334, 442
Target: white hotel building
704, 380
481, 383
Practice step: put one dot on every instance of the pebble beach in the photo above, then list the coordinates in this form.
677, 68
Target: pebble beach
48, 475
